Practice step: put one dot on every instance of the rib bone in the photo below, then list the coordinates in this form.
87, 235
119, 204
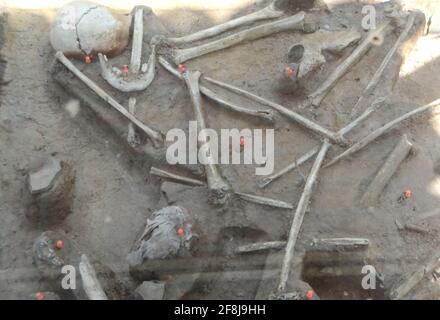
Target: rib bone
135, 80
375, 35
295, 22
269, 12
220, 190
264, 200
380, 131
267, 180
155, 136
379, 72
260, 246
299, 216
284, 111
266, 115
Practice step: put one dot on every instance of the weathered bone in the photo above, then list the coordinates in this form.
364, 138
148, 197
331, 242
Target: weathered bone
340, 243
299, 216
283, 110
269, 12
260, 246
402, 289
135, 80
295, 22
399, 153
90, 282
176, 178
319, 94
264, 200
132, 138
309, 154
379, 72
267, 180
220, 190
263, 114
380, 131
155, 136
308, 53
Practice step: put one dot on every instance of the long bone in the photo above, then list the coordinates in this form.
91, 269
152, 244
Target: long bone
309, 154
269, 12
139, 77
220, 190
90, 282
155, 136
132, 137
266, 115
385, 62
299, 216
295, 22
284, 111
244, 196
380, 131
374, 37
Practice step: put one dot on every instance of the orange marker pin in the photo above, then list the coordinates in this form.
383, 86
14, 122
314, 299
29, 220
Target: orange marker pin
39, 296
180, 232
88, 59
181, 68
309, 295
289, 71
59, 244
241, 141
125, 69
407, 194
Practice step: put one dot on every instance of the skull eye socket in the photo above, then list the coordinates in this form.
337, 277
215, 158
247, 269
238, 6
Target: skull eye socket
296, 53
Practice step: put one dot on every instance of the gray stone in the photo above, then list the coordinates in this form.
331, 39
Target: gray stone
43, 178
151, 290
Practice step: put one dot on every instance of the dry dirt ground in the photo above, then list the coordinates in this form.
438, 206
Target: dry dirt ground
114, 195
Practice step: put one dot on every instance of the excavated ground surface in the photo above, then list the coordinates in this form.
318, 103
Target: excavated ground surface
114, 195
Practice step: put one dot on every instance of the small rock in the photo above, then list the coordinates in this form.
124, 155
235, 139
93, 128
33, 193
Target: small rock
43, 179
150, 290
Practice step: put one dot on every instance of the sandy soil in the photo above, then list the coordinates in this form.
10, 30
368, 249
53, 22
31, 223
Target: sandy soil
112, 194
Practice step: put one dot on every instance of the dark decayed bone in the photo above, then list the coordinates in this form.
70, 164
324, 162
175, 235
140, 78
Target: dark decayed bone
295, 22
380, 131
395, 158
155, 136
303, 204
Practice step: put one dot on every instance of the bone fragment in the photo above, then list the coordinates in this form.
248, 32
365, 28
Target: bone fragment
379, 72
269, 12
264, 200
415, 228
267, 180
154, 135
138, 34
295, 22
403, 288
380, 131
175, 177
299, 216
90, 282
132, 137
220, 190
340, 243
133, 81
266, 115
261, 246
374, 36
283, 110
383, 176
